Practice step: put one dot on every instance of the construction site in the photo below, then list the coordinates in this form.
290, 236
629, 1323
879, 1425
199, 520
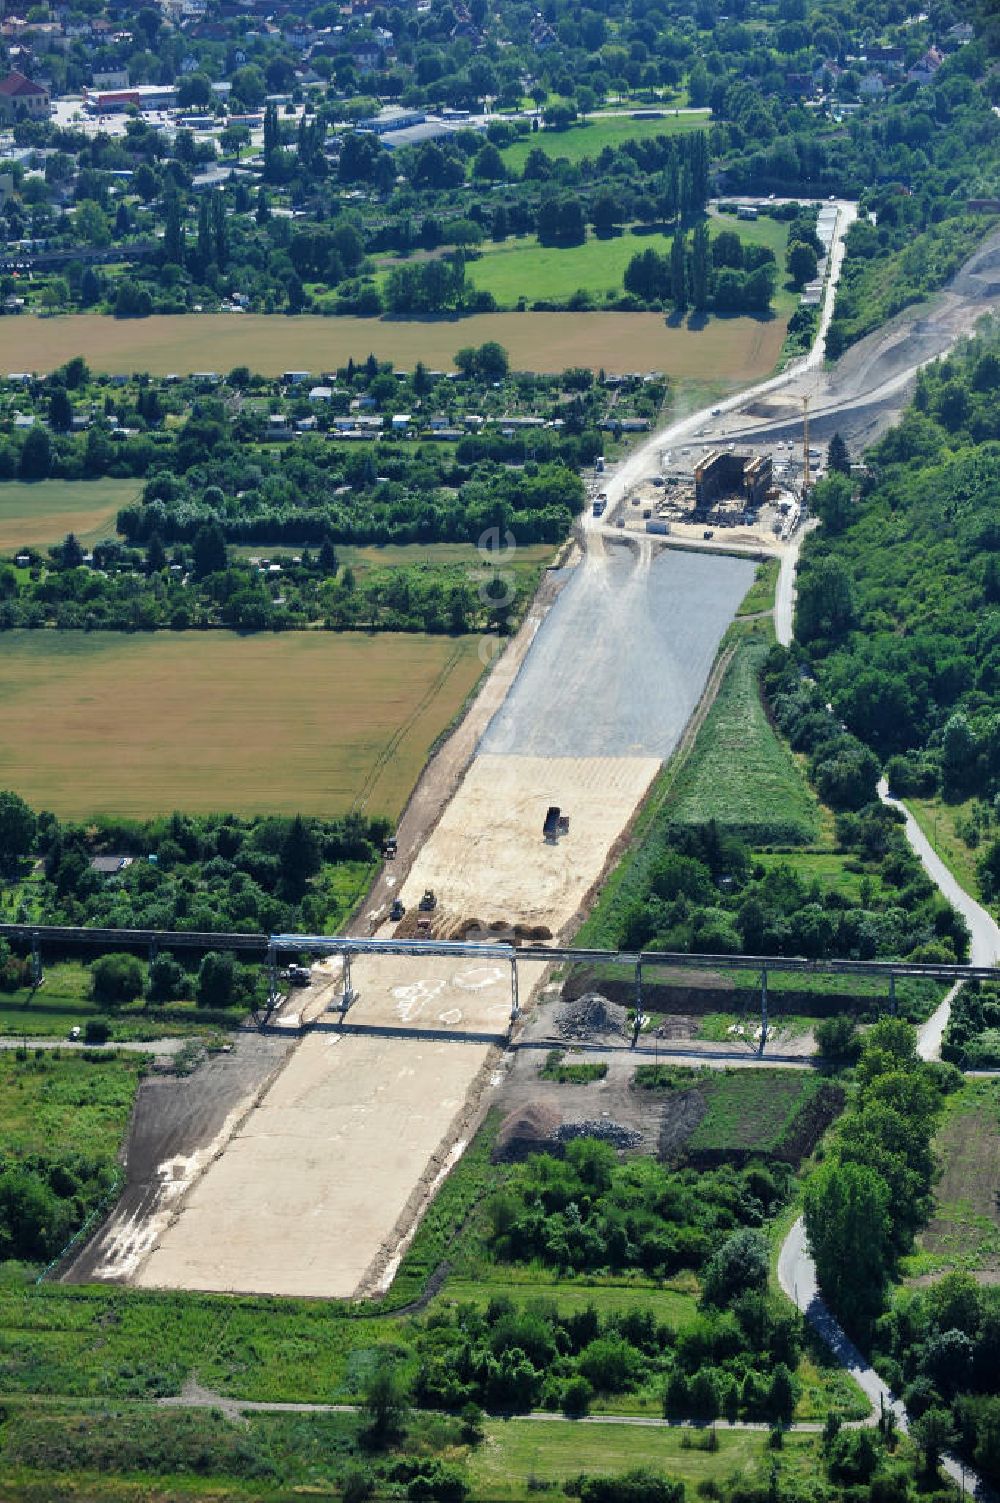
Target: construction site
754, 495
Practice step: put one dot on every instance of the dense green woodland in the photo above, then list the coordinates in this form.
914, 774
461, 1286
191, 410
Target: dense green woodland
899, 592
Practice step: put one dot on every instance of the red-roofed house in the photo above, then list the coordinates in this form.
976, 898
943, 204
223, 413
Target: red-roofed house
21, 99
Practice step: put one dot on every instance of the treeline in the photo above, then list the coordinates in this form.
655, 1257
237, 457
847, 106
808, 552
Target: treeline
939, 1347
728, 277
194, 873
698, 888
872, 1192
199, 586
300, 496
586, 1212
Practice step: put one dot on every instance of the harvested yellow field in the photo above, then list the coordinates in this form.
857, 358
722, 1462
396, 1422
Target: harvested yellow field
739, 349
308, 722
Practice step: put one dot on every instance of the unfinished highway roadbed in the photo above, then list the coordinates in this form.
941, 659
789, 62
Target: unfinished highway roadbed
326, 1172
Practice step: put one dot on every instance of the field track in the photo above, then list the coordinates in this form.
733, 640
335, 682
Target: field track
740, 347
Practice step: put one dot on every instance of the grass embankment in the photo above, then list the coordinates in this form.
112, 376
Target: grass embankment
760, 596
70, 1100
964, 1231
41, 512
740, 772
299, 722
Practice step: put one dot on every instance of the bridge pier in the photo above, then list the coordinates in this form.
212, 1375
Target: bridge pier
37, 973
763, 1009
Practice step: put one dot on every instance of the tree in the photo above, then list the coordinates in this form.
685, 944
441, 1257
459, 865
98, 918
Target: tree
489, 165
848, 1222
832, 502
679, 271
70, 551
825, 605
740, 1266
837, 456
300, 857
386, 1402
167, 980
116, 979
36, 454
933, 1433
18, 828
801, 261
209, 550
838, 1042
60, 410
217, 980
958, 757
700, 268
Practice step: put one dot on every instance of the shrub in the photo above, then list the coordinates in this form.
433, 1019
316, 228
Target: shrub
96, 1031
116, 979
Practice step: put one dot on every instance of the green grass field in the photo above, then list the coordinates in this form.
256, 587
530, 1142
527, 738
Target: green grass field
739, 772
588, 138
51, 1103
63, 1001
306, 722
38, 513
521, 268
518, 1450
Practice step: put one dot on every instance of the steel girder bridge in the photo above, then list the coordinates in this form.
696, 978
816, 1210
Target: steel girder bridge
639, 962
272, 948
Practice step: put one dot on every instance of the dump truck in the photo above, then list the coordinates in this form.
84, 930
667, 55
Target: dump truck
600, 503
389, 849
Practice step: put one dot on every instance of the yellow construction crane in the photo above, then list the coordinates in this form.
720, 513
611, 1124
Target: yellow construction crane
806, 479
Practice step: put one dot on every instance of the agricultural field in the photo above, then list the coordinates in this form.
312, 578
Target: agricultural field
296, 723
521, 268
38, 513
549, 342
739, 772
589, 138
964, 1231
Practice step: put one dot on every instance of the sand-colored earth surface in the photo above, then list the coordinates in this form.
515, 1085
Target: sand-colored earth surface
309, 1191
270, 344
487, 859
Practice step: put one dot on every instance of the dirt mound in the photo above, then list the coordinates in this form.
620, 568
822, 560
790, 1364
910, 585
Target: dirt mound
603, 1128
530, 1129
590, 1016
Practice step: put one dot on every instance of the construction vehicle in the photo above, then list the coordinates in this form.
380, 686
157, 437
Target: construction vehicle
600, 503
550, 825
299, 975
428, 902
389, 849
397, 910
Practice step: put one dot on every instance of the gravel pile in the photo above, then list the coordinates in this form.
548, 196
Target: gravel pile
608, 1132
591, 1014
